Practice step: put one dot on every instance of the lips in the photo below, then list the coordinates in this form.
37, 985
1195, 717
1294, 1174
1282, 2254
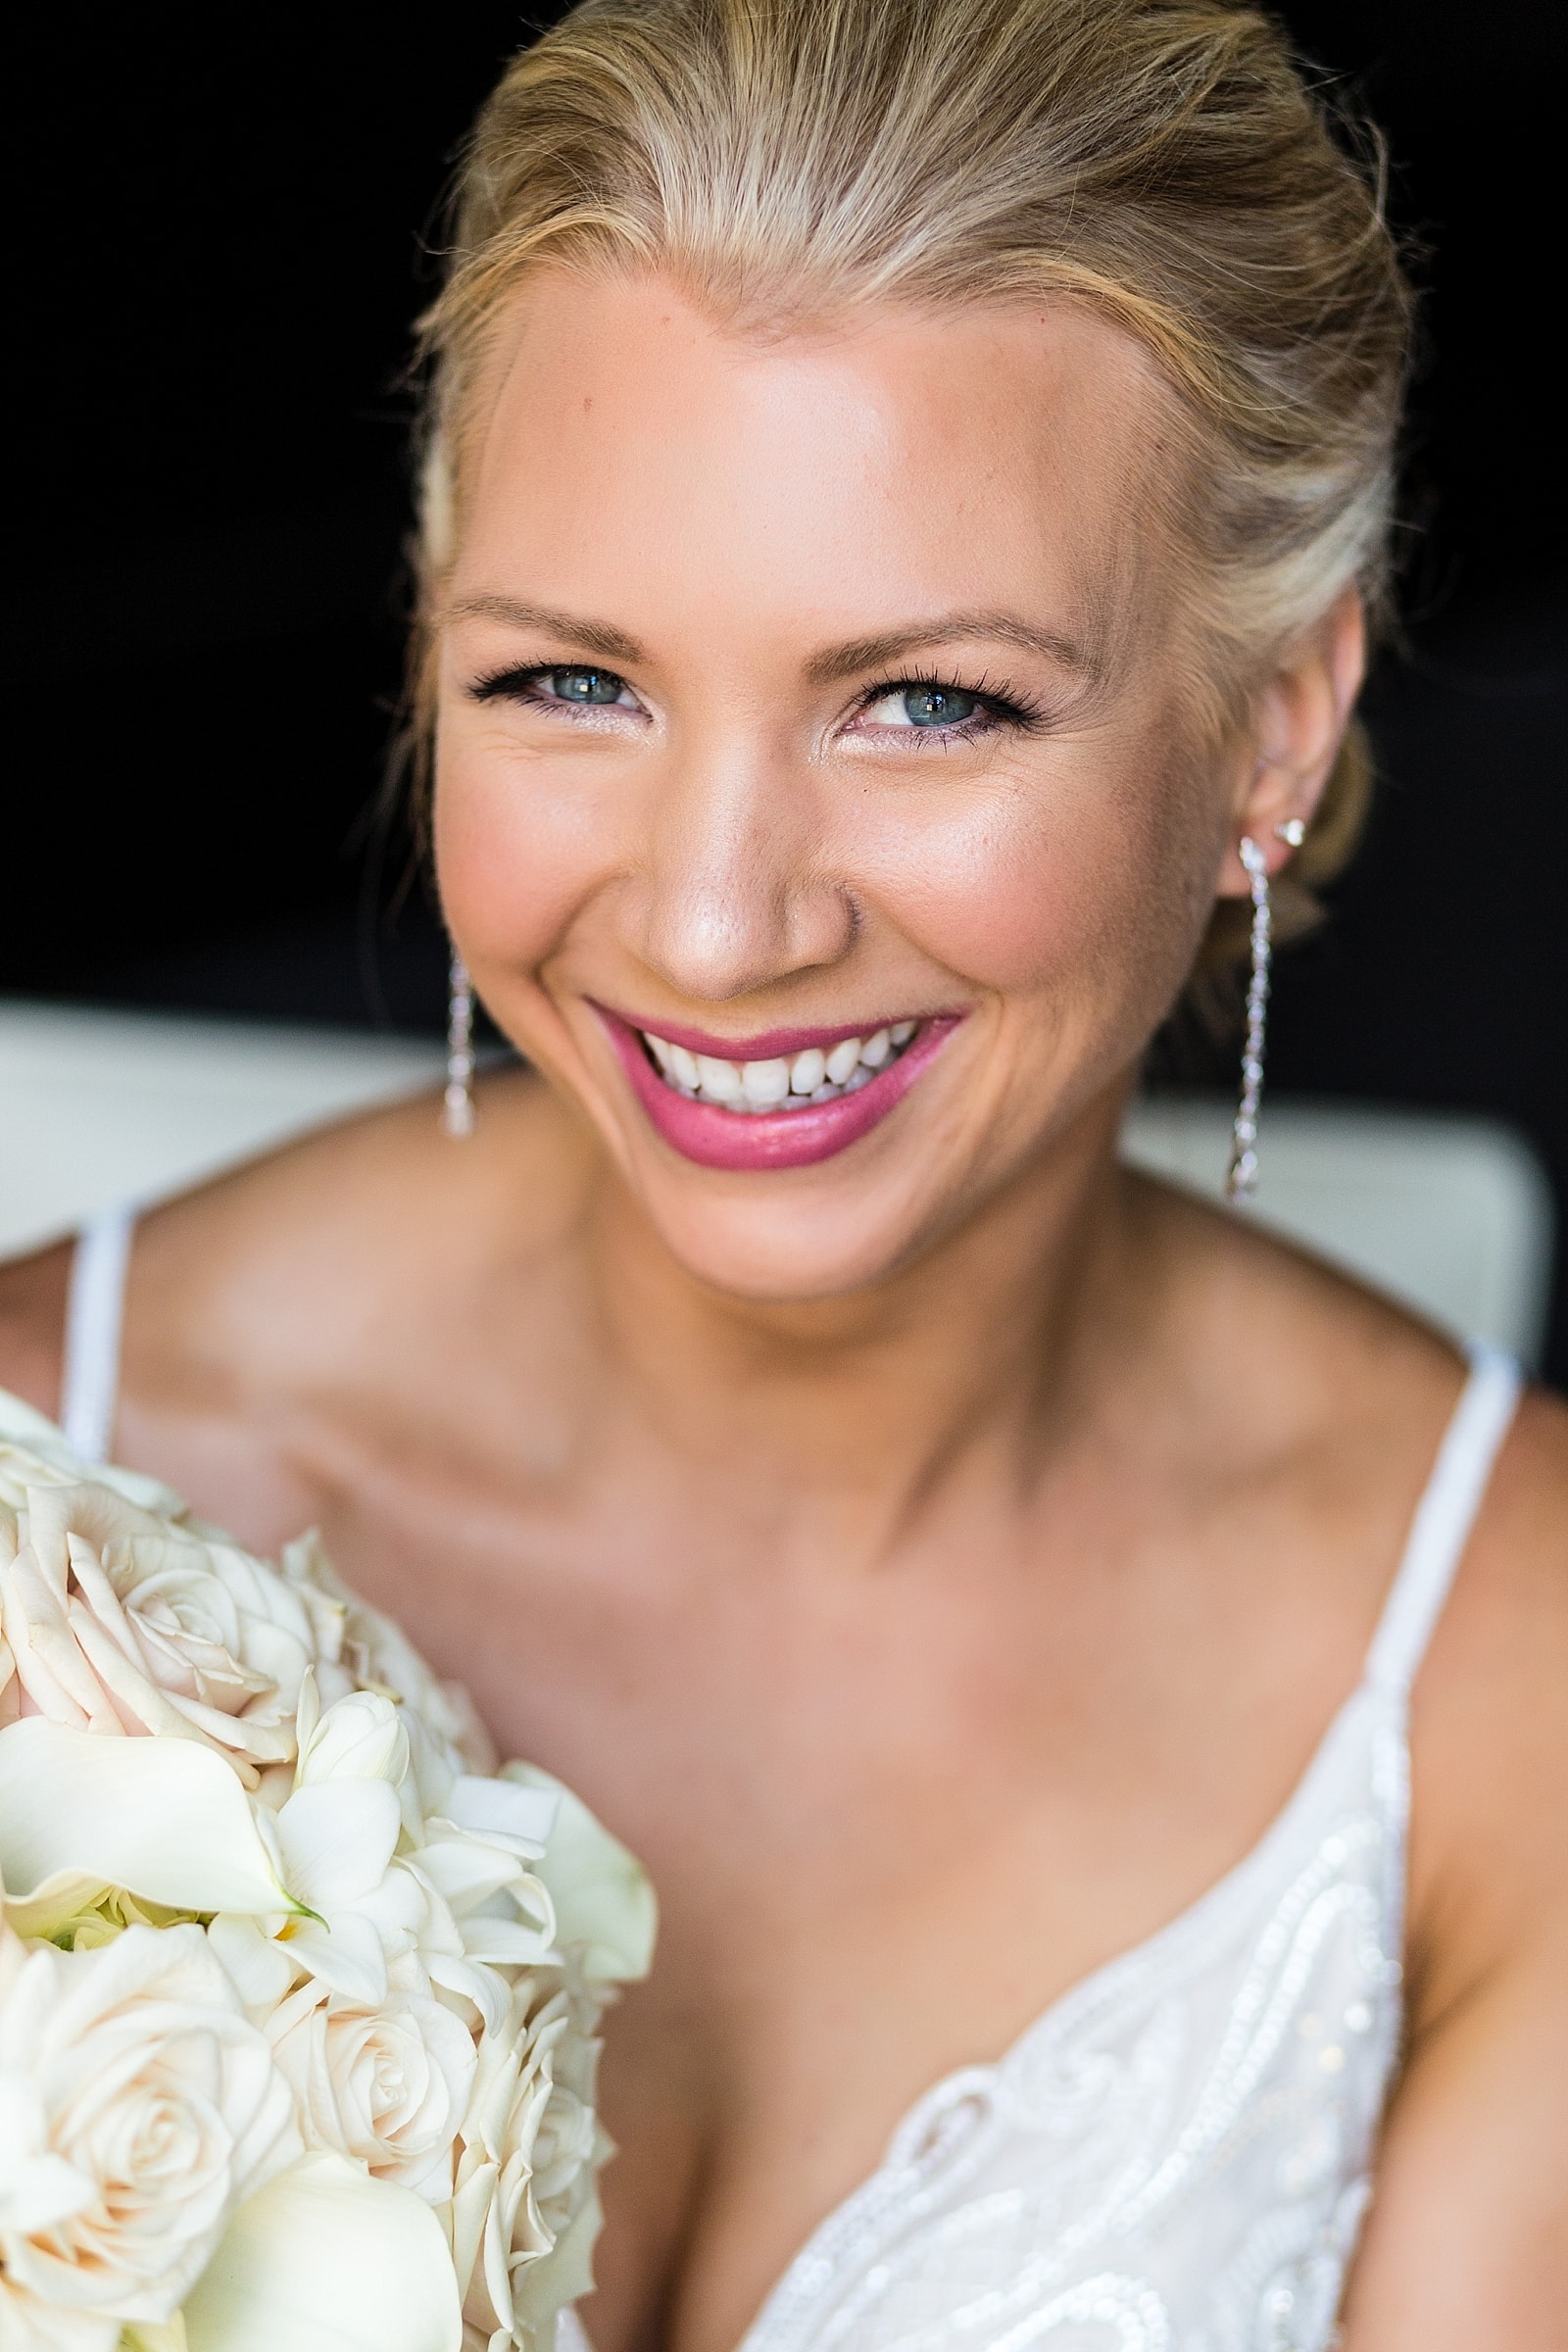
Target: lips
753, 1136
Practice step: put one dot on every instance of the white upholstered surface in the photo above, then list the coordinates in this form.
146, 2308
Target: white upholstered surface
1452, 1215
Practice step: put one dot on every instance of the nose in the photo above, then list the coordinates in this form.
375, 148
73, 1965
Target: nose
739, 892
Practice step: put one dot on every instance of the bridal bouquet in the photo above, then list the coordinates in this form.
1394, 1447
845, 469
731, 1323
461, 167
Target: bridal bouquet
297, 1997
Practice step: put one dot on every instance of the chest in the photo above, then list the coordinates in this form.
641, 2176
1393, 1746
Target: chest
888, 1822
747, 1710
889, 1818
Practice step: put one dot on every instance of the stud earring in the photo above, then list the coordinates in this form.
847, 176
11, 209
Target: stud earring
457, 1105
1241, 1177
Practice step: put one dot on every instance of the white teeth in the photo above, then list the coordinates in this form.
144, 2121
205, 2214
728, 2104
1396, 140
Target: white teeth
767, 1082
722, 1080
810, 1076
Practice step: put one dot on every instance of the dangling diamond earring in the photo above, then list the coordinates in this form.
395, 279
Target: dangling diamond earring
457, 1105
1241, 1177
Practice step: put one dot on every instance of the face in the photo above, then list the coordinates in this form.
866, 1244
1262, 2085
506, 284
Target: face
818, 797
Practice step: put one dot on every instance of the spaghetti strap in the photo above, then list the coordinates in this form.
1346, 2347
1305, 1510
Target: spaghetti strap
1443, 1519
90, 1374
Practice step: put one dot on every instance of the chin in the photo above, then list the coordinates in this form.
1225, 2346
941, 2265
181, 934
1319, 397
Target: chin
787, 1239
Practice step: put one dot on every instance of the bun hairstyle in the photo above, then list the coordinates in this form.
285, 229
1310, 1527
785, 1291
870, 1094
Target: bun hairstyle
1165, 162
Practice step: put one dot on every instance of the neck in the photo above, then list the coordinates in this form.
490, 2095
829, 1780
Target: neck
864, 1408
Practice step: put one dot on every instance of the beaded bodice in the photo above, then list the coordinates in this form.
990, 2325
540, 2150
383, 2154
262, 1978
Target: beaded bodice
1176, 2157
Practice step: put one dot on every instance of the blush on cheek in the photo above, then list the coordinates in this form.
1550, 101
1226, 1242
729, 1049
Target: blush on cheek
1078, 925
1008, 902
516, 860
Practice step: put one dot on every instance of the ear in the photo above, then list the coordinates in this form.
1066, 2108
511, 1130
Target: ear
1294, 733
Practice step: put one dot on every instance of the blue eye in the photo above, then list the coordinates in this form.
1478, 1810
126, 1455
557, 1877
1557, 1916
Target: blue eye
938, 705
585, 685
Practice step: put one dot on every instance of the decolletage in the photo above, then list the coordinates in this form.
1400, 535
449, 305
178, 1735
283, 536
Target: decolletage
1176, 2156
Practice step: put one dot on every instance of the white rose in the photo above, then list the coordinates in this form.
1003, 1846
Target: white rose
137, 2107
524, 2212
116, 1620
387, 2087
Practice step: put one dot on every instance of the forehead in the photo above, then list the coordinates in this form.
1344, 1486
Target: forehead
632, 448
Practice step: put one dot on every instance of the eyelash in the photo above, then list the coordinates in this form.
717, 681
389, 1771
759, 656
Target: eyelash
514, 684
1001, 704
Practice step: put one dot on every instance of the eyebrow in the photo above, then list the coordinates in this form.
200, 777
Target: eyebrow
611, 644
600, 637
889, 645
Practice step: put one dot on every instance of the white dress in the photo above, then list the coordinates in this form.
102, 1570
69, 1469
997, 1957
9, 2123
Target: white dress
1177, 2156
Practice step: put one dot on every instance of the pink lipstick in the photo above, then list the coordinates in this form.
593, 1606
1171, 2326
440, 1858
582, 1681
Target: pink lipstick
755, 1140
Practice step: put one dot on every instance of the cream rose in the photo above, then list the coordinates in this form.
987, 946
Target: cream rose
526, 2210
137, 2107
34, 1452
297, 2001
387, 2087
116, 1620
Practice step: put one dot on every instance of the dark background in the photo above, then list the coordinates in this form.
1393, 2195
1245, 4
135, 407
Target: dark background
218, 252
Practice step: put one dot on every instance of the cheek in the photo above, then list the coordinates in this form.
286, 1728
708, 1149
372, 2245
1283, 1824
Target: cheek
1050, 890
518, 849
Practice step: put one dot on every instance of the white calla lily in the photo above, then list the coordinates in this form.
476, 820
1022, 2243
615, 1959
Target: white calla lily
327, 2259
166, 1819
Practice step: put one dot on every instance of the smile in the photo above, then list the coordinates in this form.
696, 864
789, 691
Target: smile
779, 1082
782, 1101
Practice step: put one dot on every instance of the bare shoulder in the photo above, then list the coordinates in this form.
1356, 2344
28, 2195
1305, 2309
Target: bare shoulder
1466, 2240
1490, 1732
280, 1279
1363, 1391
33, 1322
285, 1264
1296, 1356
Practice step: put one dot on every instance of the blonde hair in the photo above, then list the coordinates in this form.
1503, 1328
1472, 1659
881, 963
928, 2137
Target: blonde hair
788, 161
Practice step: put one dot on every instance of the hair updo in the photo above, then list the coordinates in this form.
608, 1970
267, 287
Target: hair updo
787, 161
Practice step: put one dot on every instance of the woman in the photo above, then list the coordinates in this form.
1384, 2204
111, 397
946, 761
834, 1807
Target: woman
905, 490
